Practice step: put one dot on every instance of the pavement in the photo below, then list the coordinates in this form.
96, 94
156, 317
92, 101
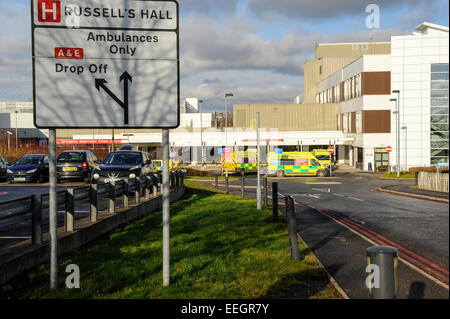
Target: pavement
339, 218
415, 192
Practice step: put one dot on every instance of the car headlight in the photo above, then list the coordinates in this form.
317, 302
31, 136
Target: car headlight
96, 176
32, 171
9, 171
132, 176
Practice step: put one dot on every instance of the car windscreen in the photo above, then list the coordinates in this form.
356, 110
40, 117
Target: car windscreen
30, 160
73, 157
123, 159
323, 157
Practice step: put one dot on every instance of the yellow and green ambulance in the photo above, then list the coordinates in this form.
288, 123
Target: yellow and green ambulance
323, 156
295, 164
243, 162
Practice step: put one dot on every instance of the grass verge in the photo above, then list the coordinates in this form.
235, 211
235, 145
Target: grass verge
221, 247
394, 175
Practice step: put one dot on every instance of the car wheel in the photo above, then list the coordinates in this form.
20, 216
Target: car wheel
321, 173
280, 173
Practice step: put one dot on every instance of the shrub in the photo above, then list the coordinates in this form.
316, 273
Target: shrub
428, 169
196, 172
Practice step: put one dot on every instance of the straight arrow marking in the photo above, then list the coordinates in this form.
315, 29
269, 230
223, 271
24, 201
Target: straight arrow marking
125, 77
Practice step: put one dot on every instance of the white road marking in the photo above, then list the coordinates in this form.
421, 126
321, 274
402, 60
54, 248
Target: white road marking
338, 194
356, 199
324, 183
15, 237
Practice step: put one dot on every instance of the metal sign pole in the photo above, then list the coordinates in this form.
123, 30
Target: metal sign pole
53, 211
166, 208
258, 188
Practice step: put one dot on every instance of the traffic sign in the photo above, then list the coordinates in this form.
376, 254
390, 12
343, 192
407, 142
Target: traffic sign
331, 150
389, 149
105, 65
278, 151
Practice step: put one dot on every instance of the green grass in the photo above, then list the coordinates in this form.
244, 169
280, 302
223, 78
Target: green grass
402, 175
208, 178
221, 247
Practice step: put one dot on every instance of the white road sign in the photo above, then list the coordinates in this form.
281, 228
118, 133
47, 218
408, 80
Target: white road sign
118, 68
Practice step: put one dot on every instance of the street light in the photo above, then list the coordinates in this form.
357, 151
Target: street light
226, 132
201, 128
397, 134
406, 146
398, 129
16, 128
9, 137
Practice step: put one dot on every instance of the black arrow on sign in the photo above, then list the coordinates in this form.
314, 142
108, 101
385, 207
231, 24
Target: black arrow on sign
100, 83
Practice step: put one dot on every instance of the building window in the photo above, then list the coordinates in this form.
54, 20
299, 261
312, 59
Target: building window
339, 128
359, 122
345, 122
439, 114
365, 46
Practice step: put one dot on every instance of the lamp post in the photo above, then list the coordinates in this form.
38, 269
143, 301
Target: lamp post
16, 128
406, 146
398, 129
9, 138
201, 129
226, 126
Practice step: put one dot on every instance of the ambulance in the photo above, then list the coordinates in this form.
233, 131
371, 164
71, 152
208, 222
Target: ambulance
158, 165
242, 162
295, 164
323, 156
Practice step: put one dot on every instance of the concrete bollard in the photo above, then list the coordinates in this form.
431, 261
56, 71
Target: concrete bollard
93, 200
70, 210
125, 192
382, 264
292, 228
275, 201
112, 197
155, 185
416, 175
148, 185
36, 219
242, 186
137, 189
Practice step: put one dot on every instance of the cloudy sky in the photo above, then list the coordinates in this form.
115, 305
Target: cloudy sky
254, 49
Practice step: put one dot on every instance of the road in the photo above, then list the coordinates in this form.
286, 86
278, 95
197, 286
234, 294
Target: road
349, 216
15, 230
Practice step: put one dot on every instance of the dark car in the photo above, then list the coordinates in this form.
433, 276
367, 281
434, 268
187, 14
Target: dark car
73, 165
120, 165
128, 147
29, 168
4, 164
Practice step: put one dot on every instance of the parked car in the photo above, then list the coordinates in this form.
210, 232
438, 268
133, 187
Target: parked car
128, 147
4, 164
72, 165
29, 168
120, 165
